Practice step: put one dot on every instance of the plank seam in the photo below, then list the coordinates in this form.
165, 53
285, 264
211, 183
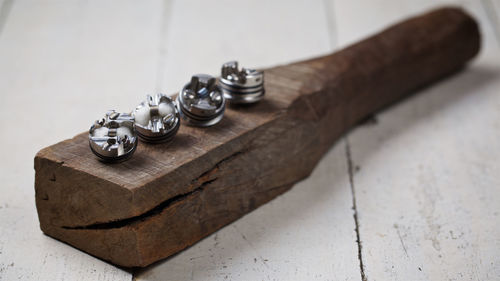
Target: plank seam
162, 51
330, 23
4, 13
354, 208
491, 14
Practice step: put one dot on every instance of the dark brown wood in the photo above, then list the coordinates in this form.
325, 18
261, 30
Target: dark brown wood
169, 196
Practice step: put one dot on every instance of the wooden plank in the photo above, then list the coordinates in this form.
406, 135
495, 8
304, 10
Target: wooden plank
425, 204
279, 241
140, 211
259, 245
64, 63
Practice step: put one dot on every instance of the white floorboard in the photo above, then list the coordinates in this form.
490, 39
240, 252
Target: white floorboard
356, 19
202, 35
427, 186
62, 65
425, 175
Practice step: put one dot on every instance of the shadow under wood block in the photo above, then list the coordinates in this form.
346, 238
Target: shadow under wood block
169, 196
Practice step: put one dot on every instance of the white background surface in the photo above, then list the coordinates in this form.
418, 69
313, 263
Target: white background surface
425, 177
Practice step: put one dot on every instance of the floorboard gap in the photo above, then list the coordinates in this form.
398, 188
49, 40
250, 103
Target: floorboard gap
162, 48
350, 169
4, 13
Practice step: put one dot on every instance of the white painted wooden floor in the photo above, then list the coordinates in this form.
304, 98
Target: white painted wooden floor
424, 179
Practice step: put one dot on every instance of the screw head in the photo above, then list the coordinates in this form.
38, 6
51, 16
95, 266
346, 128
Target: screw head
156, 119
201, 102
113, 138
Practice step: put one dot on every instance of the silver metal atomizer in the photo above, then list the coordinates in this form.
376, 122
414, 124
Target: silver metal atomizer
241, 86
201, 102
113, 138
156, 119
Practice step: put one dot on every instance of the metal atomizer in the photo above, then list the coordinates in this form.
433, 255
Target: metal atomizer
113, 138
241, 86
201, 102
156, 119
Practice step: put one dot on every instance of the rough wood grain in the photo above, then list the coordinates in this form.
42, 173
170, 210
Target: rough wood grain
167, 197
277, 241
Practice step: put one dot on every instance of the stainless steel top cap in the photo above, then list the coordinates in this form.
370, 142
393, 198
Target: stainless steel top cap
241, 86
156, 119
113, 138
201, 102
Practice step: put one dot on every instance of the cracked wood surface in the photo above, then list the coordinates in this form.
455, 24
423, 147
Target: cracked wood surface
280, 242
169, 196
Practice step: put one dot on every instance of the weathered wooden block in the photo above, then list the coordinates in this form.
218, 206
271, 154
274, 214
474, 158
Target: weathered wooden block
169, 196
